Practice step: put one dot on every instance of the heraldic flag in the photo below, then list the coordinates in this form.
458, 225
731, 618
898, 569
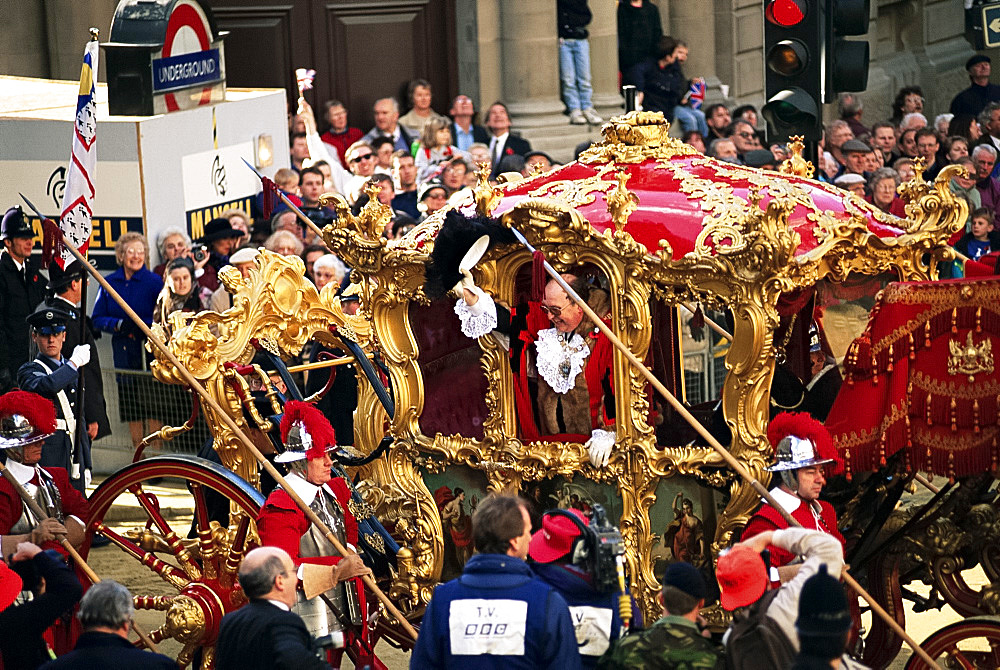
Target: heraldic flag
78, 198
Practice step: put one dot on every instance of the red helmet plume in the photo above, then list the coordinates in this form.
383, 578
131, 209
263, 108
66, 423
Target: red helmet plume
38, 411
321, 433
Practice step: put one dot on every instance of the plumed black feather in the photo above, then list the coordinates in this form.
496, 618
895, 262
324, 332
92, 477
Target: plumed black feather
457, 235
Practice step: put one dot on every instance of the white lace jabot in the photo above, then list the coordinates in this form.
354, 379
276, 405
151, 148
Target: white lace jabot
560, 360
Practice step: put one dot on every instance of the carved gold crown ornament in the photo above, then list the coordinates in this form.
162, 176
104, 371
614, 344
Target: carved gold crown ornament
750, 248
971, 358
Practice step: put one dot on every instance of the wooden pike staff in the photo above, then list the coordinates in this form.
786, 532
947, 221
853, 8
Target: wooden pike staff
715, 444
226, 419
38, 513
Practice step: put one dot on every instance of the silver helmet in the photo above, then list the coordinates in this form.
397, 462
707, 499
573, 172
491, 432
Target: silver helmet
17, 431
795, 453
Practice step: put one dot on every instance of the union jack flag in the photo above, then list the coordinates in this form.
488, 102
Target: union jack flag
697, 96
78, 198
304, 78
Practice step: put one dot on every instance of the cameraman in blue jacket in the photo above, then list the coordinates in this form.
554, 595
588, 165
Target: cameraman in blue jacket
498, 614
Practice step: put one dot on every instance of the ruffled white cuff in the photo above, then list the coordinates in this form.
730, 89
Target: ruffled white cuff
479, 319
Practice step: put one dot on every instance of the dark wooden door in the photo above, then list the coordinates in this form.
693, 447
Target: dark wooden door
362, 50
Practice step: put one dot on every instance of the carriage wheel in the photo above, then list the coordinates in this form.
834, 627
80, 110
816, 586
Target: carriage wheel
972, 644
197, 576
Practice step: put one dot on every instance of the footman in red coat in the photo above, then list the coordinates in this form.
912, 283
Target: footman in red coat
326, 576
804, 455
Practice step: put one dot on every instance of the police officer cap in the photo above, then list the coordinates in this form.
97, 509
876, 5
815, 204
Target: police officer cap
15, 225
48, 320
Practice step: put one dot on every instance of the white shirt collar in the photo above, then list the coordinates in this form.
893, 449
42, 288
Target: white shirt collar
22, 473
279, 605
788, 502
71, 304
500, 140
302, 488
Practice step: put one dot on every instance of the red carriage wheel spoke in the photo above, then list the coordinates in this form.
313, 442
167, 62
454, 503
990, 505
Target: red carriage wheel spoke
169, 573
158, 603
206, 543
955, 655
213, 592
237, 549
177, 547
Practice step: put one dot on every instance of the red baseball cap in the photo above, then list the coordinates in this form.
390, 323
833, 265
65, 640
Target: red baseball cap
10, 586
742, 577
556, 536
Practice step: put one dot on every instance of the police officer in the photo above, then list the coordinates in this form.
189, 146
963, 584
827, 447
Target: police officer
65, 289
54, 377
22, 288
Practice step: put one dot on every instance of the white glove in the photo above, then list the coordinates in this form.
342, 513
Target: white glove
599, 446
88, 477
81, 355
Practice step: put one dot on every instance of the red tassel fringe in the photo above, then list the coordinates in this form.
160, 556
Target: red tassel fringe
52, 242
537, 276
270, 199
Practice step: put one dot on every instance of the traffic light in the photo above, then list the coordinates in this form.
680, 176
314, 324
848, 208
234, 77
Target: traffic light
794, 36
846, 66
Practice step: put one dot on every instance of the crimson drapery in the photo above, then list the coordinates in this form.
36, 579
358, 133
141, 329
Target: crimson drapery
921, 379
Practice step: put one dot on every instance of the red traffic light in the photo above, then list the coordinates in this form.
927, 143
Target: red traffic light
785, 13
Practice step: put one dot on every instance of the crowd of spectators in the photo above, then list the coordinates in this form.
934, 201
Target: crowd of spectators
868, 159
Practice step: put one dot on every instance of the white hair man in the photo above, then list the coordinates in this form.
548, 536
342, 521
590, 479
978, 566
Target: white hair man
106, 613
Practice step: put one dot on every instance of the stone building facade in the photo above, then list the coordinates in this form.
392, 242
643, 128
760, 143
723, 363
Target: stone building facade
507, 50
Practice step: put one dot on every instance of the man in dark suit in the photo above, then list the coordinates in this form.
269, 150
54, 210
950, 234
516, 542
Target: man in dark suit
106, 613
502, 143
464, 132
265, 634
66, 292
22, 287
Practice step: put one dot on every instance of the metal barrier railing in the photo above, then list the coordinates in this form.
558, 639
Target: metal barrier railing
138, 405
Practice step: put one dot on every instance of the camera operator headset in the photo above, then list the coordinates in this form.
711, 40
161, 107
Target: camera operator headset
585, 564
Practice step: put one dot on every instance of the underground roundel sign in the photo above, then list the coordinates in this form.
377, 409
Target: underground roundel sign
189, 71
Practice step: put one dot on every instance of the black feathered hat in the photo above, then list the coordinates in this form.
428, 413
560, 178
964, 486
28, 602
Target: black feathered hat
457, 236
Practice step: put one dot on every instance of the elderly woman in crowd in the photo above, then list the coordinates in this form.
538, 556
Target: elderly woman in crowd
139, 287
284, 243
882, 186
174, 243
328, 269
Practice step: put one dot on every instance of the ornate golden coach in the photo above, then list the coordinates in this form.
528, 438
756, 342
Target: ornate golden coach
663, 228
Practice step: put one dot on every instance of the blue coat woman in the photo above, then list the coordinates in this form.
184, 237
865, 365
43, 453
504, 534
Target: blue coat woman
140, 288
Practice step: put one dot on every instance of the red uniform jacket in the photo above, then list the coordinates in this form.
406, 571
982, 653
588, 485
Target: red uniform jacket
768, 518
597, 367
73, 504
282, 524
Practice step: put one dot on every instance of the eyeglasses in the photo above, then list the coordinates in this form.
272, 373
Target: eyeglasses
358, 159
745, 135
554, 311
135, 252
